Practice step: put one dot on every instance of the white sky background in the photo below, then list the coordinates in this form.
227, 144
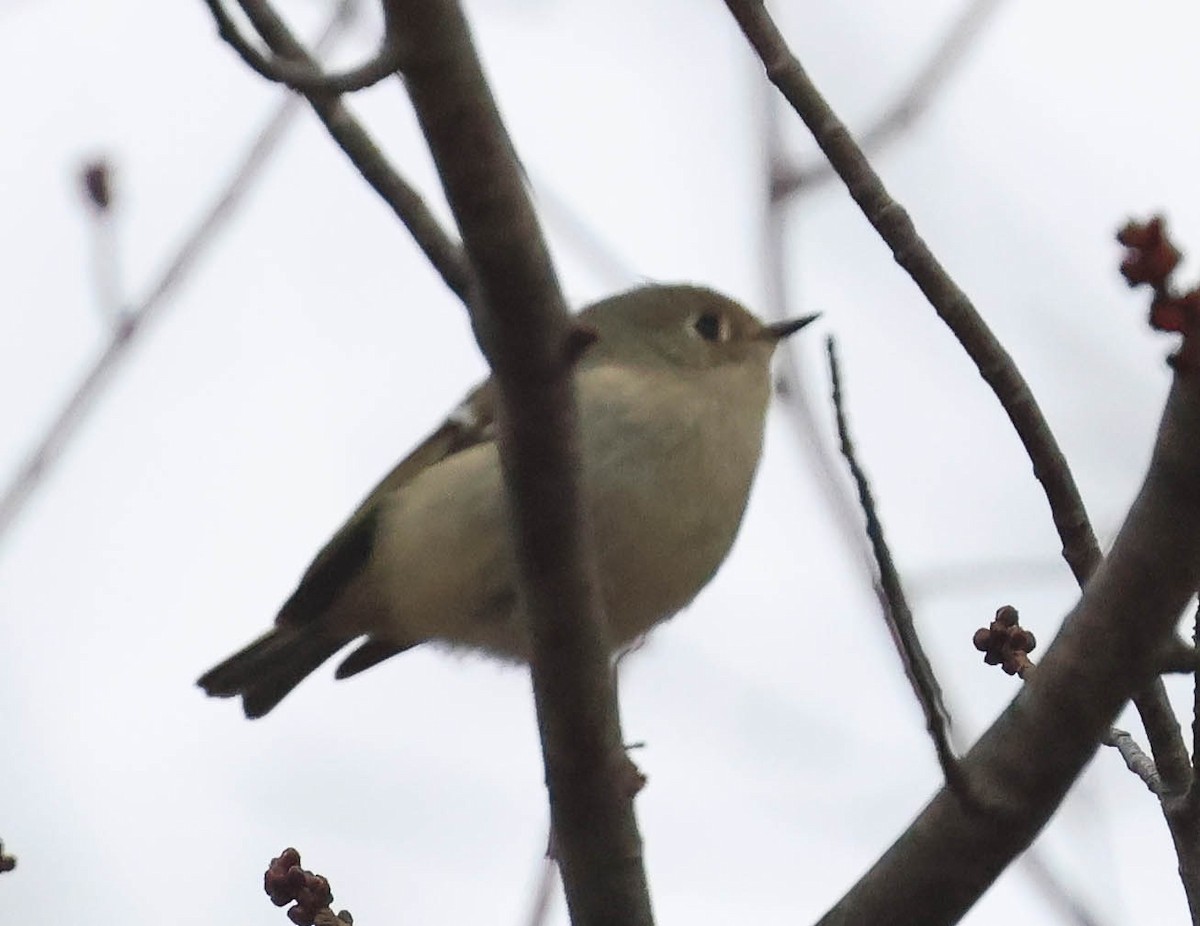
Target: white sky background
314, 346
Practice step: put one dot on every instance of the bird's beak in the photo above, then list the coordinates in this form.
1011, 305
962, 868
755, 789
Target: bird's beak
781, 330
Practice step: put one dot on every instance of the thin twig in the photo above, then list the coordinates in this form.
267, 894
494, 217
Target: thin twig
1135, 760
443, 252
302, 76
525, 331
916, 664
911, 103
609, 266
49, 448
1066, 902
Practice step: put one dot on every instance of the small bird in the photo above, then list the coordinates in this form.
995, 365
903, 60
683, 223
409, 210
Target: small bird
672, 404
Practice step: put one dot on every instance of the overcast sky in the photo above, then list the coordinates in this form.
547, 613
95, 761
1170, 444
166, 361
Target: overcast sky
313, 346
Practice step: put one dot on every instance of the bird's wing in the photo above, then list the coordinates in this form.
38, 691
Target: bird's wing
349, 550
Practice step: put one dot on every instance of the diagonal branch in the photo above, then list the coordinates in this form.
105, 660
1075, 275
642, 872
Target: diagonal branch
912, 654
442, 251
130, 323
525, 332
302, 76
911, 103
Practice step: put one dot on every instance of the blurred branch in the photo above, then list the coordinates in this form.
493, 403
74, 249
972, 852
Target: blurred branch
916, 664
909, 105
790, 385
443, 252
608, 265
303, 76
133, 321
1069, 906
539, 912
7, 862
526, 334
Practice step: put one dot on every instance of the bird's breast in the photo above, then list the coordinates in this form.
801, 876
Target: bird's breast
667, 470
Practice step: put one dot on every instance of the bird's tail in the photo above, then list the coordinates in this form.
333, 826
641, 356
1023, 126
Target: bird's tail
266, 670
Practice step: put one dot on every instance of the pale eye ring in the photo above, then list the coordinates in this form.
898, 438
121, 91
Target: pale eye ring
711, 326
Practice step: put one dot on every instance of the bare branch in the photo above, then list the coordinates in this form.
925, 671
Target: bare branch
889, 219
916, 664
524, 330
1070, 907
1135, 760
912, 102
1023, 765
50, 447
954, 307
303, 76
443, 252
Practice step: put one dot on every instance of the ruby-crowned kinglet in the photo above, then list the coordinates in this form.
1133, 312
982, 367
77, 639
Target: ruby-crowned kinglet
672, 402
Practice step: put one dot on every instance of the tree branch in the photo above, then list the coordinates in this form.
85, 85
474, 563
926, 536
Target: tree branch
133, 320
916, 664
525, 332
302, 76
1135, 760
911, 103
889, 219
442, 251
1025, 762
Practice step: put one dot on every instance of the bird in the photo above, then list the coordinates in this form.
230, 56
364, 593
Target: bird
672, 399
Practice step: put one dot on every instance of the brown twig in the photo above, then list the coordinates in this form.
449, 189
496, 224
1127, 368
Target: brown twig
523, 328
909, 105
443, 252
302, 76
916, 664
131, 323
7, 862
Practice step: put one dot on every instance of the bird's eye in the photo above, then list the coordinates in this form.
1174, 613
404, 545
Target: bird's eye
710, 326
